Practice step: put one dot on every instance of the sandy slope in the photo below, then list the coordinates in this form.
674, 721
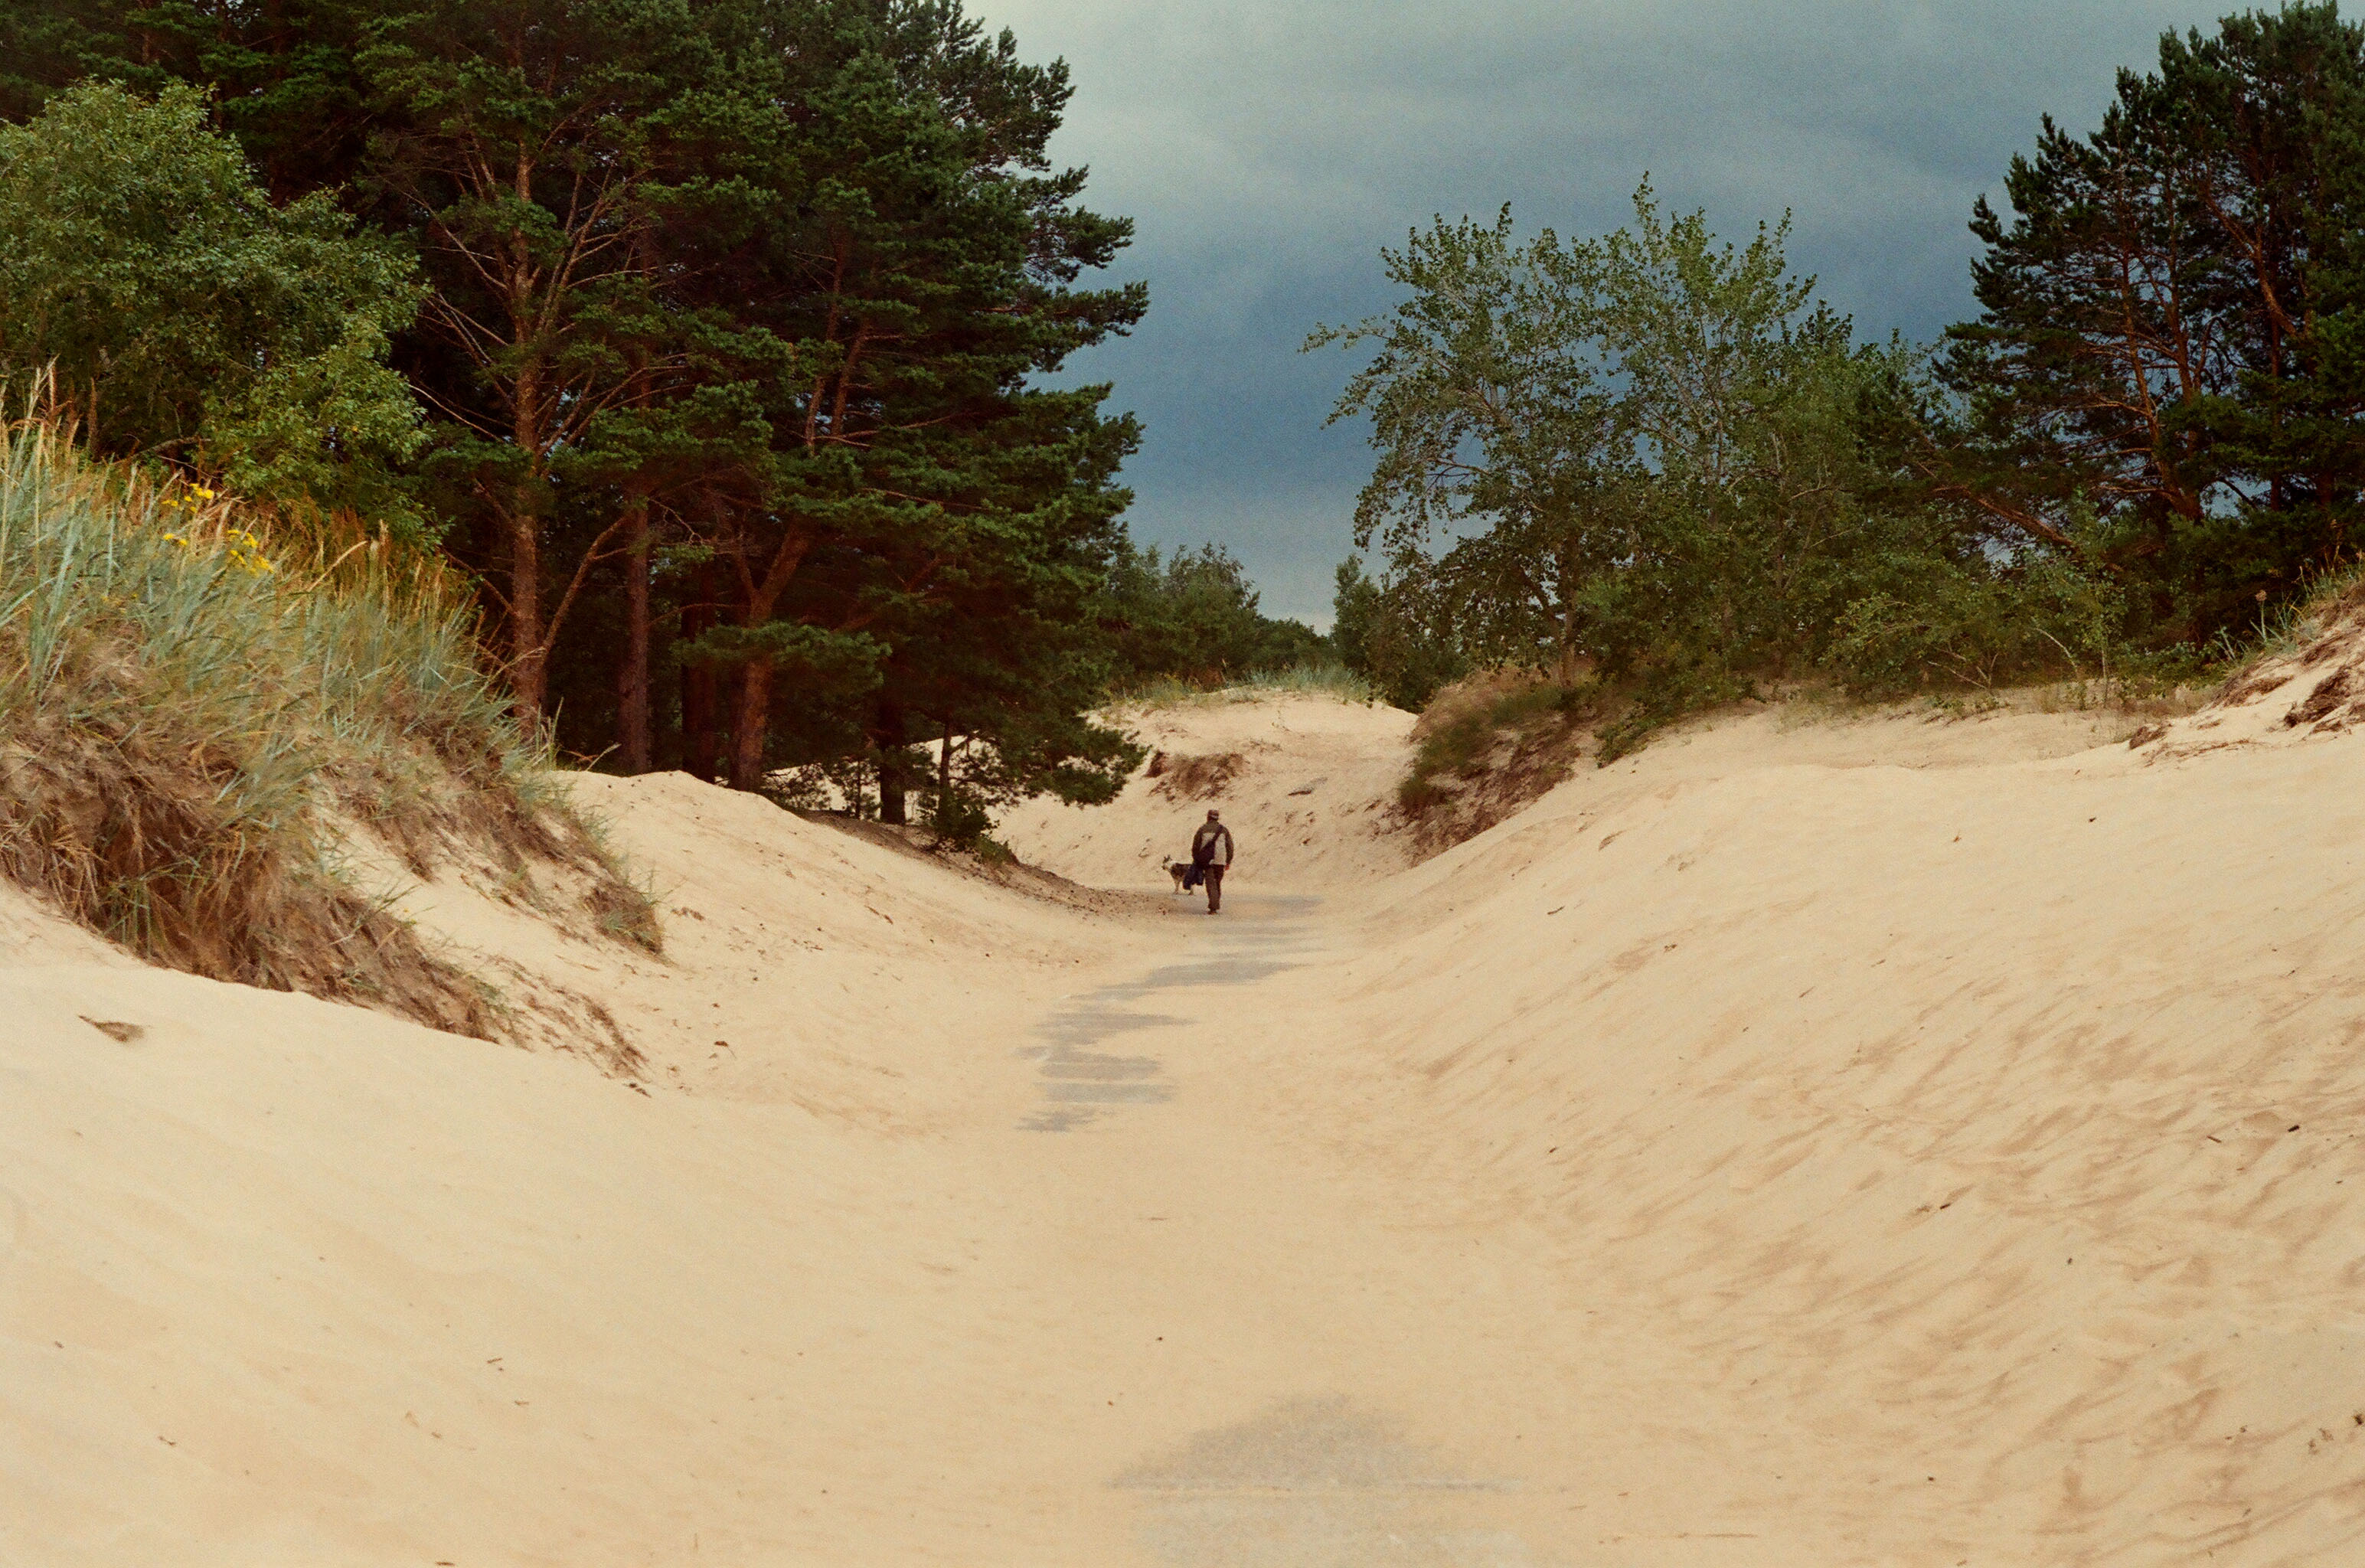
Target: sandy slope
1865, 1142
1308, 805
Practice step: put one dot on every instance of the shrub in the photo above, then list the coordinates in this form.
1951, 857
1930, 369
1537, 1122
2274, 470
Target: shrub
1322, 680
1314, 679
149, 277
1948, 625
958, 820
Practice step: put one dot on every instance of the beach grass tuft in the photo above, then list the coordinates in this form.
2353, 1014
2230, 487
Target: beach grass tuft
198, 697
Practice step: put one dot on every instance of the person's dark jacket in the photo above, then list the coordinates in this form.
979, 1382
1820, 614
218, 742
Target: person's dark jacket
1212, 845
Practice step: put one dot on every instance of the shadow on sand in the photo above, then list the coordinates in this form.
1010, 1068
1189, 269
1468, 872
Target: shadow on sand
1255, 936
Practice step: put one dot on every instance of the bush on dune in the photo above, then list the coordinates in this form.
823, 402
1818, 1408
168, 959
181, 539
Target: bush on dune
194, 697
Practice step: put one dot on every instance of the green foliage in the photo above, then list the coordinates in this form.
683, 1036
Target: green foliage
1458, 736
1382, 635
1943, 625
957, 819
1648, 458
1327, 678
2169, 328
526, 151
186, 317
1355, 608
910, 254
735, 320
1332, 681
1194, 618
1493, 414
1653, 456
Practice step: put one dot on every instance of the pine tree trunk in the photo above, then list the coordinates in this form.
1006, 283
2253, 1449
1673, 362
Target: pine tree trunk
698, 705
893, 763
528, 657
751, 724
528, 677
633, 673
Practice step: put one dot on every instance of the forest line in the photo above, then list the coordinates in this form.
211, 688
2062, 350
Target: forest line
711, 338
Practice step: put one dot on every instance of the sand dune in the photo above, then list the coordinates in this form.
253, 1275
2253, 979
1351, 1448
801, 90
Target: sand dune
1307, 788
1810, 1141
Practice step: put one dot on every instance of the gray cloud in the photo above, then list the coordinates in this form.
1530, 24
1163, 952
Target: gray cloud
1268, 151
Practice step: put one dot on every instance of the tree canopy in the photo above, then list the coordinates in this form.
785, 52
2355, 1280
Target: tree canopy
1654, 463
2167, 351
731, 321
721, 343
1195, 616
179, 313
1649, 458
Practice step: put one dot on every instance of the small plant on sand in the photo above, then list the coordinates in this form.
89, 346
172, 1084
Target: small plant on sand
1314, 679
959, 820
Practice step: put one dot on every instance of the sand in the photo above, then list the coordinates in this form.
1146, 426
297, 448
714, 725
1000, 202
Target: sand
1809, 1142
1314, 780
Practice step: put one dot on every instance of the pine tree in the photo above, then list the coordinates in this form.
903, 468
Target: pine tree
517, 142
2164, 338
920, 270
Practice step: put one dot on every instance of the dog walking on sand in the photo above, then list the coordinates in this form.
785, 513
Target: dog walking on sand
1211, 852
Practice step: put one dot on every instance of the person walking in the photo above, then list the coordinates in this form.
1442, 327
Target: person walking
1211, 852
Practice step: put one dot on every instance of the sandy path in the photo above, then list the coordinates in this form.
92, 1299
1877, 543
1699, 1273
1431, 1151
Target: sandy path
1295, 1369
1304, 1357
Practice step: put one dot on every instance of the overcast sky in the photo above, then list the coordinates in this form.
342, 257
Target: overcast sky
1267, 150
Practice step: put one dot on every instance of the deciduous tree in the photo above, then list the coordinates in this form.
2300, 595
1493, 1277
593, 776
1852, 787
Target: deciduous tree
186, 317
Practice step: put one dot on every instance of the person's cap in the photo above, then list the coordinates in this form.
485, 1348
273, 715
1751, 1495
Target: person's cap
1211, 816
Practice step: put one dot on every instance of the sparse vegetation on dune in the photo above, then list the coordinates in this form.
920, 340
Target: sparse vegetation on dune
197, 701
1486, 745
1334, 680
1491, 743
2283, 629
2321, 636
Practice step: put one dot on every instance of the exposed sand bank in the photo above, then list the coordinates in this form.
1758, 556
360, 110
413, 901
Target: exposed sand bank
1849, 1142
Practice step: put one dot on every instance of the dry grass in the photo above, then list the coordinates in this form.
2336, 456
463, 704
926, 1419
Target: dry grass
1186, 777
1485, 748
1310, 680
194, 696
2294, 631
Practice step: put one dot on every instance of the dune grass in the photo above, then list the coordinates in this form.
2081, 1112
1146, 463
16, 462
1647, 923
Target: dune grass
1333, 680
194, 699
2285, 627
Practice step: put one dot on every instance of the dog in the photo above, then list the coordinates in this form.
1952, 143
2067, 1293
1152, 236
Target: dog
1181, 872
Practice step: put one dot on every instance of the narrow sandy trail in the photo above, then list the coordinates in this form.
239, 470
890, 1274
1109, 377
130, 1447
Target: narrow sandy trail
1303, 1358
1294, 1369
1882, 1143
284, 1282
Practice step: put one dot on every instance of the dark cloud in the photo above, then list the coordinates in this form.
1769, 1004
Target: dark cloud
1267, 150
